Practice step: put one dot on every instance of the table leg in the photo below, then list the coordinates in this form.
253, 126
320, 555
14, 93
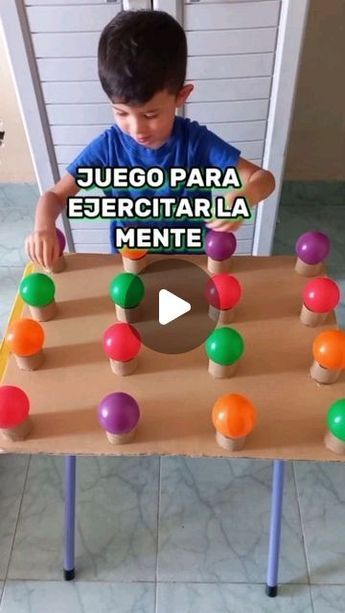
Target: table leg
275, 528
70, 472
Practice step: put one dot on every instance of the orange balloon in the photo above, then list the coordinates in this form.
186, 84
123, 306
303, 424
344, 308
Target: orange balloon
133, 254
233, 415
25, 337
329, 349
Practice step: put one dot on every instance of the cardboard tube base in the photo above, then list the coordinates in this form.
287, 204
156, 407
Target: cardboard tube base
334, 444
134, 266
217, 266
309, 318
129, 316
122, 369
120, 439
221, 317
43, 313
219, 371
30, 362
232, 444
18, 433
323, 375
308, 270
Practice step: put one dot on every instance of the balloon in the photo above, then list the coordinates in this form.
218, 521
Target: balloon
133, 254
233, 415
118, 413
313, 247
37, 289
336, 419
220, 245
121, 342
329, 349
224, 346
62, 240
14, 406
127, 290
25, 337
223, 291
321, 295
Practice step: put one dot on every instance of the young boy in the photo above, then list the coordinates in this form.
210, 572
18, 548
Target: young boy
142, 58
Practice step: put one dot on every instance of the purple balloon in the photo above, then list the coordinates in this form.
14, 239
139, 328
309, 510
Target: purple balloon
118, 413
313, 247
61, 239
220, 245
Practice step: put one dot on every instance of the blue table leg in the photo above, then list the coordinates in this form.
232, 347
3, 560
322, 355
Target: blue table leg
70, 471
275, 528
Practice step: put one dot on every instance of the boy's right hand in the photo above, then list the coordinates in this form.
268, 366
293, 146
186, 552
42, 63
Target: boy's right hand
42, 247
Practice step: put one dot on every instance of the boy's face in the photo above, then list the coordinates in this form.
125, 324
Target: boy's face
151, 124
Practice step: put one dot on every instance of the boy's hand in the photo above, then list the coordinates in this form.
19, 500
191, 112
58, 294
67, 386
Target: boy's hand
42, 247
257, 184
226, 225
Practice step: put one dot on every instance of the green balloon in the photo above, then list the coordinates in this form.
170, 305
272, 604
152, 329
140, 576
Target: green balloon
224, 346
336, 419
127, 290
37, 289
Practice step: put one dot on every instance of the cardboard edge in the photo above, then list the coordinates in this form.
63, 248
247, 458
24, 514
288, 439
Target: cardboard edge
16, 312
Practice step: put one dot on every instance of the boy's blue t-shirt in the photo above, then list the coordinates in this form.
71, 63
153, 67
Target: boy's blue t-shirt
190, 145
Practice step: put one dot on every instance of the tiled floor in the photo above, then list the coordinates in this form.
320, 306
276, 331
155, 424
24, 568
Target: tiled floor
173, 535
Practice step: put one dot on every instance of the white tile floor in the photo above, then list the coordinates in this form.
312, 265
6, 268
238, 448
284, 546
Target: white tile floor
172, 535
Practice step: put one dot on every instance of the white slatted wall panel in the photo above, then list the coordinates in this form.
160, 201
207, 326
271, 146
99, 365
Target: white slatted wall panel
231, 58
65, 37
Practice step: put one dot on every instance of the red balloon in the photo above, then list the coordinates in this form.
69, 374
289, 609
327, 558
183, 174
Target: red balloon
14, 406
321, 295
223, 291
121, 342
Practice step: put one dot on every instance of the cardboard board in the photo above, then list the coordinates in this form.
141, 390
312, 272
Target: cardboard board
175, 392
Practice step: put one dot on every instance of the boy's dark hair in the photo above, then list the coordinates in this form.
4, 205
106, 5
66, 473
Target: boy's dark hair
139, 54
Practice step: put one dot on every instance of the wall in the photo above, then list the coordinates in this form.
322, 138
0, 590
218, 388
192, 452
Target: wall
15, 161
316, 148
317, 139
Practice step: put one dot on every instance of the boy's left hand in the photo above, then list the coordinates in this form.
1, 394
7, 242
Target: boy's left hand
226, 225
257, 184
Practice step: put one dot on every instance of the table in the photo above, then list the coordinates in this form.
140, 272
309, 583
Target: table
273, 373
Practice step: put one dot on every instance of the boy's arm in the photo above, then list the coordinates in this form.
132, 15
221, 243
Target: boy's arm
52, 203
42, 245
257, 184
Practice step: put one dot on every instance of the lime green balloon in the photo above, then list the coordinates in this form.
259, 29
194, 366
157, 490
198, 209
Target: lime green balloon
224, 346
127, 290
336, 419
37, 289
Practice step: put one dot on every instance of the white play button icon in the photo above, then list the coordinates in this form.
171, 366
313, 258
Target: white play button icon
182, 304
171, 307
